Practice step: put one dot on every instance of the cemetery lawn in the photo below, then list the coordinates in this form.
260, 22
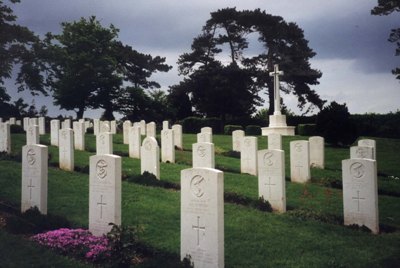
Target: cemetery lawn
310, 234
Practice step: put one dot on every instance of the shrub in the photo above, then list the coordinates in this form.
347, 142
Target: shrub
335, 125
306, 129
228, 129
194, 124
90, 130
253, 130
16, 129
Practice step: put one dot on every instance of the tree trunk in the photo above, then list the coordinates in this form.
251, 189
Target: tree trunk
271, 96
79, 113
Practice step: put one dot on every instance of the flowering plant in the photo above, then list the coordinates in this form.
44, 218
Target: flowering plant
78, 242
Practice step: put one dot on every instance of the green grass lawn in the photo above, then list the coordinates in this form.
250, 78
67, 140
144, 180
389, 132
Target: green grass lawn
310, 234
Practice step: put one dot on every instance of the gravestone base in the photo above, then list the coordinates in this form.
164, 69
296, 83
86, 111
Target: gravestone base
277, 125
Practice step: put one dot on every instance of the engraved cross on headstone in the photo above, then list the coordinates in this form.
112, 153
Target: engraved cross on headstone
198, 228
269, 185
298, 166
358, 198
277, 98
101, 203
30, 186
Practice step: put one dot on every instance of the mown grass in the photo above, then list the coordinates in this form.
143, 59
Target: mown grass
310, 234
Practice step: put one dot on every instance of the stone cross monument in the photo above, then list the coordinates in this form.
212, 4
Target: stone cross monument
277, 97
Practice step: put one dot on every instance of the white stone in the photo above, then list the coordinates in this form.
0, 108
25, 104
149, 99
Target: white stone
104, 193
54, 131
370, 143
113, 127
26, 123
202, 216
125, 130
66, 149
165, 125
167, 146
300, 161
275, 141
151, 129
104, 143
105, 126
96, 126
5, 138
237, 137
12, 121
34, 177
32, 135
360, 193
203, 155
66, 123
317, 152
204, 137
18, 123
150, 157
366, 152
178, 142
206, 130
142, 127
42, 126
248, 155
87, 125
134, 142
79, 135
33, 122
271, 178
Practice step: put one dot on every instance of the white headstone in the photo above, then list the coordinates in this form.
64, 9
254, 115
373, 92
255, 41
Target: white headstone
165, 125
66, 149
96, 126
237, 137
206, 130
248, 155
370, 143
178, 142
125, 130
151, 129
204, 137
18, 123
66, 123
203, 155
26, 123
104, 143
202, 216
142, 127
366, 152
34, 177
134, 142
12, 120
54, 131
167, 146
105, 126
32, 135
317, 151
271, 178
5, 138
360, 193
104, 193
274, 141
79, 135
42, 126
150, 157
33, 122
113, 127
300, 161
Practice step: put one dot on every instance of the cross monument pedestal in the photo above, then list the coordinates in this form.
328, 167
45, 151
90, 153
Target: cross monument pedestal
277, 121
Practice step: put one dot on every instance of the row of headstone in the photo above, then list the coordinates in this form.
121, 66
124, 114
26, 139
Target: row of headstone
5, 138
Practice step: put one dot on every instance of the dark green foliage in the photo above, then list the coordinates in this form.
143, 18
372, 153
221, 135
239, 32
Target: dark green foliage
308, 214
306, 129
378, 125
90, 130
228, 129
335, 125
233, 154
123, 241
149, 179
16, 129
260, 204
253, 130
194, 124
32, 221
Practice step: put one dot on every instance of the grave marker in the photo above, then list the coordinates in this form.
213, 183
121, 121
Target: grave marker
113, 127
66, 149
370, 143
125, 130
203, 155
165, 125
275, 141
134, 142
248, 155
178, 136
32, 135
206, 130
54, 131
151, 129
360, 193
317, 152
104, 193
271, 178
5, 138
167, 146
105, 126
300, 161
366, 152
42, 126
202, 216
204, 137
96, 126
79, 135
142, 127
104, 143
150, 157
34, 177
237, 136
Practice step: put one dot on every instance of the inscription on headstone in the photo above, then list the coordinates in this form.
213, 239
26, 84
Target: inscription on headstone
300, 161
248, 155
203, 155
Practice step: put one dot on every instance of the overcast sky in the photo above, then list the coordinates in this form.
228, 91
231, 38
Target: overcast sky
351, 45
